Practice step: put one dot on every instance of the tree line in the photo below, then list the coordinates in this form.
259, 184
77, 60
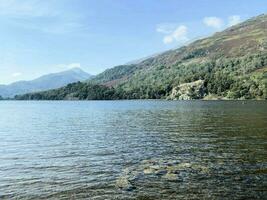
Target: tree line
234, 78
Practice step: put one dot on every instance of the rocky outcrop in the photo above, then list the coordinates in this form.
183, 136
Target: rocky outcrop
189, 91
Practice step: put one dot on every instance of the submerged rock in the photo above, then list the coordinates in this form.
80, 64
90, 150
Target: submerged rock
168, 169
171, 176
161, 172
155, 167
149, 171
124, 184
184, 165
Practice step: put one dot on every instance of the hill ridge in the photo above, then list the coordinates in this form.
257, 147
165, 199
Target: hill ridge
229, 64
44, 82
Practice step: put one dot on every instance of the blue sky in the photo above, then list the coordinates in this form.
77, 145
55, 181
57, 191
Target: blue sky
39, 37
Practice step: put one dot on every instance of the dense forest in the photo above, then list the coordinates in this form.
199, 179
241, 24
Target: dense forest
73, 91
230, 65
232, 78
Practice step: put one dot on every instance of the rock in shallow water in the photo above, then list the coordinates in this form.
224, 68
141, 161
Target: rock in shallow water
124, 184
170, 170
171, 177
149, 171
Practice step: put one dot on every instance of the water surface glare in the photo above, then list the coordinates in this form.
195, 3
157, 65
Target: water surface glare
133, 150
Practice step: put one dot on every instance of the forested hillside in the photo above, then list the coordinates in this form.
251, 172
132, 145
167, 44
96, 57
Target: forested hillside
231, 64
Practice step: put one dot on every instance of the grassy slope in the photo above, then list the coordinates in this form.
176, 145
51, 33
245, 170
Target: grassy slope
243, 39
232, 63
171, 68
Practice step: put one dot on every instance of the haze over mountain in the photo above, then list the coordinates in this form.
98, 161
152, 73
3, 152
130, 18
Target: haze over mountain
45, 82
230, 64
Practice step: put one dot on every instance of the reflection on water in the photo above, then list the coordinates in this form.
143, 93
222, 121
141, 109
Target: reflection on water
133, 150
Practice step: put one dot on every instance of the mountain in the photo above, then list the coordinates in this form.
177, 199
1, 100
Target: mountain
46, 82
231, 64
137, 61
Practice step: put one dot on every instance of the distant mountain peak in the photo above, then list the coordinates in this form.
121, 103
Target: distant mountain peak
45, 82
76, 69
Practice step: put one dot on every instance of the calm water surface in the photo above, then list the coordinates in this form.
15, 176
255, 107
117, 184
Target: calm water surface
133, 150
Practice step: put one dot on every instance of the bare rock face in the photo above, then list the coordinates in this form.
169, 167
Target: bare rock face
188, 91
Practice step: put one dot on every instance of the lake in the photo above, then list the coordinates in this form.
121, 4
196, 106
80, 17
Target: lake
133, 149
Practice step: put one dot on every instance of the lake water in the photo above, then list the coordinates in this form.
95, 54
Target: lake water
133, 150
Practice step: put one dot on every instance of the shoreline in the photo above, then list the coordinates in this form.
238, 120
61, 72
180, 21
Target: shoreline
176, 100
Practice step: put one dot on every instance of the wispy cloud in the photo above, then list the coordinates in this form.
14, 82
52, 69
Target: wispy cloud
56, 27
44, 16
69, 66
218, 23
26, 8
233, 20
166, 28
173, 33
214, 22
16, 74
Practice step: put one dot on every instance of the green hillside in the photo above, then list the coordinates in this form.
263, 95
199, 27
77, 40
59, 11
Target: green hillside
231, 64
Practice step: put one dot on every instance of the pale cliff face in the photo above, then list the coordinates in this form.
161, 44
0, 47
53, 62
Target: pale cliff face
188, 91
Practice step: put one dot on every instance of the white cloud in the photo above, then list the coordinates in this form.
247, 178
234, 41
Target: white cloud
173, 33
73, 65
168, 39
69, 66
213, 22
180, 34
16, 74
233, 20
166, 28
